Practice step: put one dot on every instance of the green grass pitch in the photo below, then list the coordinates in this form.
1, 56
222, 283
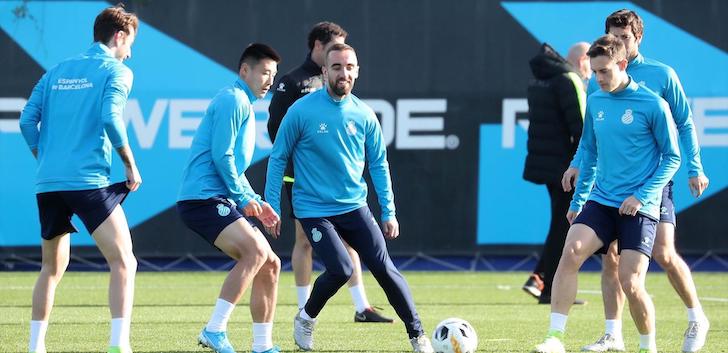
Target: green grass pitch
171, 308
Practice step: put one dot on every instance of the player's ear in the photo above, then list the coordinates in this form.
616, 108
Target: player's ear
622, 64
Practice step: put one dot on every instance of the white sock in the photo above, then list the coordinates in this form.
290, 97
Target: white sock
262, 336
613, 328
359, 297
305, 315
696, 313
220, 316
37, 336
120, 328
303, 292
558, 322
648, 341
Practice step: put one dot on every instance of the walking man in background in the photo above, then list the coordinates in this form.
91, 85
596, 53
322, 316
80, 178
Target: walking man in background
331, 135
71, 122
556, 103
305, 79
215, 197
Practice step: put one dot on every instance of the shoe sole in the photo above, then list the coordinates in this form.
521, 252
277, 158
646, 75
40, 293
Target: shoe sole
301, 348
534, 292
373, 321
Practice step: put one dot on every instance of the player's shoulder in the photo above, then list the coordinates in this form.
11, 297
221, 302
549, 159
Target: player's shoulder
311, 101
650, 98
658, 67
232, 97
363, 107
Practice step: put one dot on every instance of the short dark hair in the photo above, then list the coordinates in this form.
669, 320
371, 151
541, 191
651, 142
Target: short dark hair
608, 45
112, 20
337, 47
623, 18
256, 52
324, 32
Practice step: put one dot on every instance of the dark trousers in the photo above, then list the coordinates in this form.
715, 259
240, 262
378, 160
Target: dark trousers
361, 231
554, 245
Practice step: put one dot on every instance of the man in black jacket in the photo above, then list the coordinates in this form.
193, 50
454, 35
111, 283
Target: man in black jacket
556, 103
303, 80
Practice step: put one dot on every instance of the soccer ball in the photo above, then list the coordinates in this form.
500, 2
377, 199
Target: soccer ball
454, 335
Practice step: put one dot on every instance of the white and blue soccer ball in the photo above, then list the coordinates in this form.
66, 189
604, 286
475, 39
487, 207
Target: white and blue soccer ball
454, 335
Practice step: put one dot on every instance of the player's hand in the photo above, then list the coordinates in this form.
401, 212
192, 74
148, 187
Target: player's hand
571, 216
270, 219
133, 179
391, 228
630, 206
252, 209
698, 184
568, 181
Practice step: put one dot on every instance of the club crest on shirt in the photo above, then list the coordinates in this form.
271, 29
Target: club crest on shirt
351, 128
323, 128
627, 118
281, 87
600, 116
223, 210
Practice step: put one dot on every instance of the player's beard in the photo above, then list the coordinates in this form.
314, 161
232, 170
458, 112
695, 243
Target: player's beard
340, 87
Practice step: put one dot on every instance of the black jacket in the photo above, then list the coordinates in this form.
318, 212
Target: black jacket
555, 117
292, 86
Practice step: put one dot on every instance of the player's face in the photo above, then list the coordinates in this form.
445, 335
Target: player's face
123, 43
340, 72
319, 49
631, 43
260, 76
609, 72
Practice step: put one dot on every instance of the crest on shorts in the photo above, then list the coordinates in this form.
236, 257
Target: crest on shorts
223, 210
316, 235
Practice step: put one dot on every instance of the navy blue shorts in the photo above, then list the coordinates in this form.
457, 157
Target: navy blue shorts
208, 217
93, 207
667, 206
631, 232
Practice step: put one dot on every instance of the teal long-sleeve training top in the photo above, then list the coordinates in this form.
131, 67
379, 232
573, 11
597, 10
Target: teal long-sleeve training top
74, 117
663, 80
222, 149
330, 142
629, 147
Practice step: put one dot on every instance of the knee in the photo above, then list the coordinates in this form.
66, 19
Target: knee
571, 257
342, 273
125, 262
255, 257
304, 246
631, 285
610, 263
273, 264
664, 257
54, 269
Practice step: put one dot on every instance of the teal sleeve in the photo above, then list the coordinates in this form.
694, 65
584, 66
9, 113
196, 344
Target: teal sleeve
32, 112
683, 116
665, 135
228, 117
116, 92
588, 166
285, 141
376, 154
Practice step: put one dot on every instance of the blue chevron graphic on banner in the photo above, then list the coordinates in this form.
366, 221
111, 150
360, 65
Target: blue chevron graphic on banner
561, 24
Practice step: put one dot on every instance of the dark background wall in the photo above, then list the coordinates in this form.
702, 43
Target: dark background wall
471, 53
